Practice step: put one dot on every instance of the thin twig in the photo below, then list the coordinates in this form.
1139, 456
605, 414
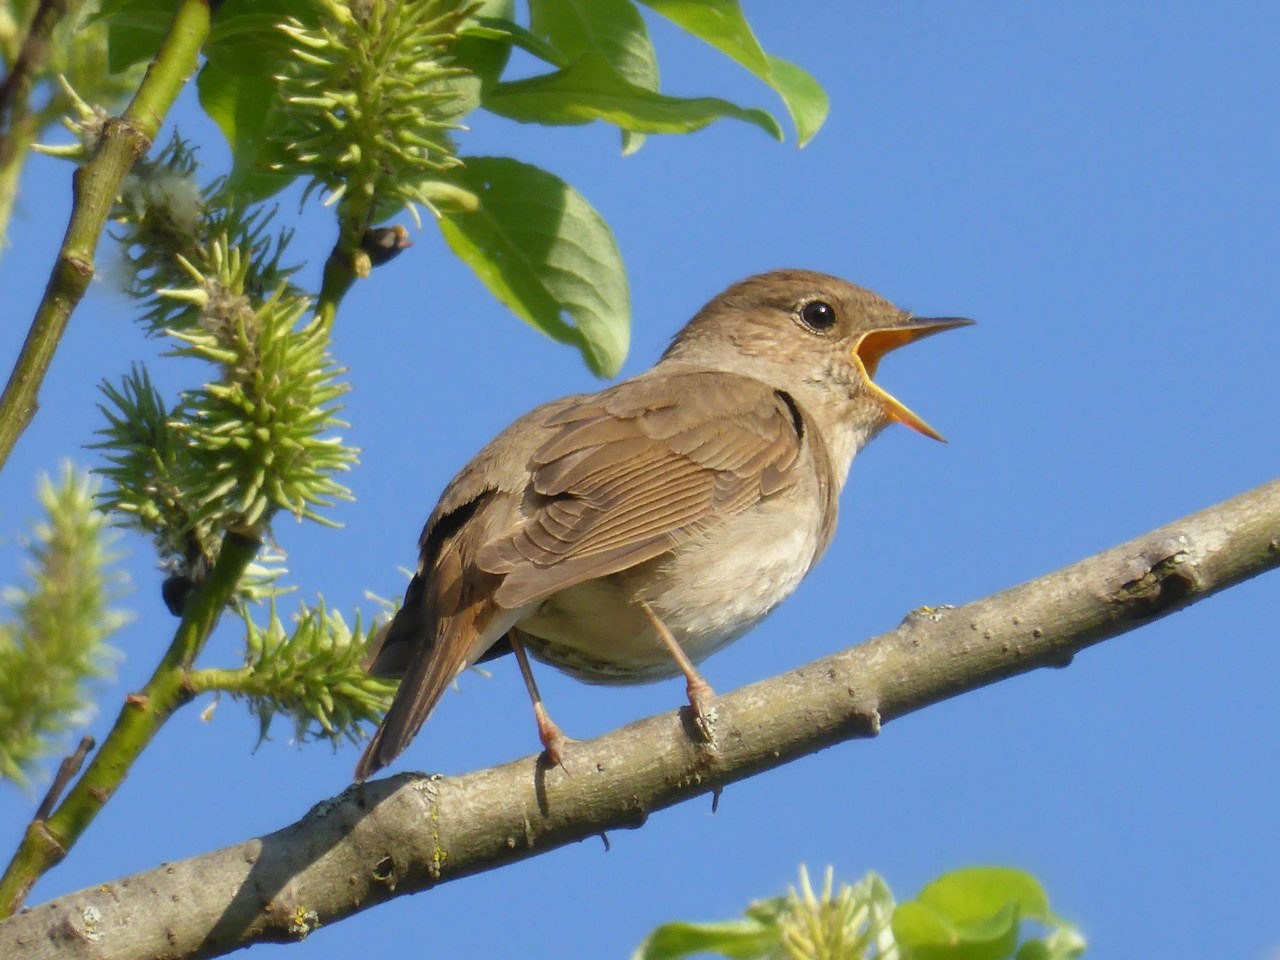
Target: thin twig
16, 87
47, 841
95, 187
19, 126
69, 767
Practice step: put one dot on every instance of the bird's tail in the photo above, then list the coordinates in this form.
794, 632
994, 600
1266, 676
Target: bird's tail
437, 650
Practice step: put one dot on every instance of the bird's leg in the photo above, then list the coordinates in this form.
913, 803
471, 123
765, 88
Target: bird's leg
699, 691
553, 739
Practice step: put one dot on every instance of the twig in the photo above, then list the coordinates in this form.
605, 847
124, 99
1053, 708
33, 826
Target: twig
19, 127
47, 841
16, 87
405, 834
94, 188
69, 767
348, 261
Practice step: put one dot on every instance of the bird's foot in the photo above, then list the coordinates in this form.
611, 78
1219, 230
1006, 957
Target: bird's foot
701, 696
552, 737
702, 701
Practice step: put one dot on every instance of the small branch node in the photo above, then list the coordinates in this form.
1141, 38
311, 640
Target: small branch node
928, 614
1163, 576
67, 770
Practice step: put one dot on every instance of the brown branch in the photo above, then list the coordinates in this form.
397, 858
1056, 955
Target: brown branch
16, 86
408, 833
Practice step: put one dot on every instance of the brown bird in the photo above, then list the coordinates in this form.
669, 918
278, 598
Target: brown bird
625, 535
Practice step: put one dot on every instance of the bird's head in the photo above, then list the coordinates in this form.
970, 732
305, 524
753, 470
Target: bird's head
815, 336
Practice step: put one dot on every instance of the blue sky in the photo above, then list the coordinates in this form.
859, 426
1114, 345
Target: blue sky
1095, 184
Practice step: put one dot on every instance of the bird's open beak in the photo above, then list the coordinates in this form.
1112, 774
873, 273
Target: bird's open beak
872, 347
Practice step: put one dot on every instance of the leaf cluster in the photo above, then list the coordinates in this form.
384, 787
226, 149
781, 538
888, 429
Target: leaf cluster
975, 913
260, 438
54, 640
76, 51
365, 101
166, 225
257, 438
309, 670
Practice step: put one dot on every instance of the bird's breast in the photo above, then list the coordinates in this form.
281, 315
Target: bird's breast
708, 591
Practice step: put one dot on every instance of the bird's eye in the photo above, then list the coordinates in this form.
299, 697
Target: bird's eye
818, 315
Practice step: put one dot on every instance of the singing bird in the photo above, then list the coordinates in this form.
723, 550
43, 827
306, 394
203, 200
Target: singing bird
624, 536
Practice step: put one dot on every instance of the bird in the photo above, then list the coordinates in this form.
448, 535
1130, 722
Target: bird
623, 536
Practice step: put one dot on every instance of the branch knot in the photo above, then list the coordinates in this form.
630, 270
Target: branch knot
1162, 577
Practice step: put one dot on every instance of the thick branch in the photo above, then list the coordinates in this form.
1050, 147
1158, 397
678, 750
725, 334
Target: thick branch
407, 833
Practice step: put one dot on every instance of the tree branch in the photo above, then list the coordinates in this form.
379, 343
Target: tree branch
47, 839
94, 188
16, 87
18, 126
408, 833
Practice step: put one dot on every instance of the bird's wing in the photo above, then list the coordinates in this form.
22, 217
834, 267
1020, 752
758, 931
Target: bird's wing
630, 472
578, 489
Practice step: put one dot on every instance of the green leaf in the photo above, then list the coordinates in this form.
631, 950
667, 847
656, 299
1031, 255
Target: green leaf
1064, 943
486, 56
545, 253
977, 892
804, 97
244, 39
740, 939
915, 924
134, 30
722, 24
241, 105
971, 914
512, 34
929, 934
610, 29
590, 89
